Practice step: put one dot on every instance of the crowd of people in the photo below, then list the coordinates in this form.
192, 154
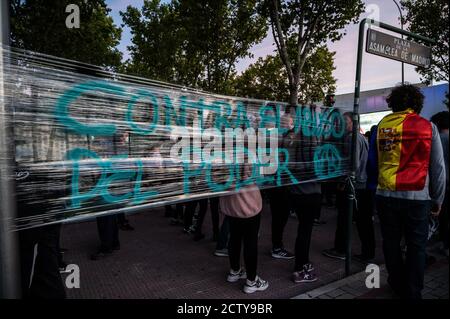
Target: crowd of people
401, 175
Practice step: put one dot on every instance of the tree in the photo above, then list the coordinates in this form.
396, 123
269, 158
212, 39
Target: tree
430, 18
40, 25
307, 24
201, 40
316, 79
267, 78
222, 31
156, 40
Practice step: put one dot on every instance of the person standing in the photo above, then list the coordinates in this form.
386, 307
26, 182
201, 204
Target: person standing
243, 211
223, 238
121, 147
108, 225
441, 120
279, 207
38, 247
362, 205
306, 198
280, 201
411, 183
307, 202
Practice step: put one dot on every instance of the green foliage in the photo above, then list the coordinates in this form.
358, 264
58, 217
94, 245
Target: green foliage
267, 78
430, 18
156, 40
300, 26
39, 25
316, 79
194, 43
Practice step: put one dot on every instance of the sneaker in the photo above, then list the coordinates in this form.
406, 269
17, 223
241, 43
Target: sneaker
198, 237
430, 260
188, 231
257, 285
333, 253
318, 222
126, 227
281, 253
308, 267
62, 267
362, 259
303, 276
221, 252
234, 276
101, 254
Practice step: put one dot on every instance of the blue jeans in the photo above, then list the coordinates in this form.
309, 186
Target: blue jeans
409, 218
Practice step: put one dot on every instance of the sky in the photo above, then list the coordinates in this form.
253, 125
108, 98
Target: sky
377, 72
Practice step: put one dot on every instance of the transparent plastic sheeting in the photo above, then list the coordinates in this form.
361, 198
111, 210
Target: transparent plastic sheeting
87, 142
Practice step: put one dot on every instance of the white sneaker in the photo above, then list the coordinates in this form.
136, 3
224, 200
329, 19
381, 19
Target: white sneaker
221, 252
257, 285
234, 276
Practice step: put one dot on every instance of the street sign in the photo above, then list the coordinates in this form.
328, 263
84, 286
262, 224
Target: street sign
399, 49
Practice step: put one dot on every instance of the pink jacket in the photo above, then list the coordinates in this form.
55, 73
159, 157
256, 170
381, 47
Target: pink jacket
244, 204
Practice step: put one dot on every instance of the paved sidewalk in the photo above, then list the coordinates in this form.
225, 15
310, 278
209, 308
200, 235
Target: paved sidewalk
160, 261
354, 287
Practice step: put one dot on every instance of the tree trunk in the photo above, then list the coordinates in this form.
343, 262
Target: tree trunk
293, 95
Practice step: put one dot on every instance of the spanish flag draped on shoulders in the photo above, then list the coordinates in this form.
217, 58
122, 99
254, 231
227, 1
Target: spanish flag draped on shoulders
408, 153
406, 162
404, 147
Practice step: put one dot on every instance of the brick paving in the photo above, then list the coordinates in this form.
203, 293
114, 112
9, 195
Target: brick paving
160, 261
353, 287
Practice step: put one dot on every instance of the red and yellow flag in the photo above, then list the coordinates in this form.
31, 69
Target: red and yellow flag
404, 147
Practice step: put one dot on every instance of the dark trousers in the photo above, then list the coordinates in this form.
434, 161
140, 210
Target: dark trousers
279, 206
108, 232
203, 203
364, 222
168, 211
340, 237
409, 218
224, 234
443, 221
178, 213
328, 191
244, 230
40, 276
363, 213
214, 206
190, 211
306, 207
121, 219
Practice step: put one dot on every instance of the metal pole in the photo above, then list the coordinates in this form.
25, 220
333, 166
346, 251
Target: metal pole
9, 270
353, 158
355, 131
401, 24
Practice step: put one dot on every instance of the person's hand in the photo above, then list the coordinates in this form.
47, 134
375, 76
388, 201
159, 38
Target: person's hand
435, 210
